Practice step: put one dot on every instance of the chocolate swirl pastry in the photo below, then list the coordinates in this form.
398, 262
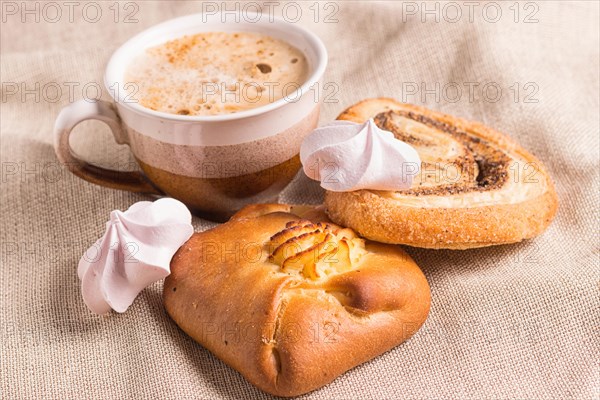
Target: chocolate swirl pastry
291, 300
476, 187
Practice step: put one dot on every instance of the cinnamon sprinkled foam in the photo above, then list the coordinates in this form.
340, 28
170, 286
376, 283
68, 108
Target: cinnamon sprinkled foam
214, 73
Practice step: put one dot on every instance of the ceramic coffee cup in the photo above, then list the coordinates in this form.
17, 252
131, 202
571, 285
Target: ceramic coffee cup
214, 164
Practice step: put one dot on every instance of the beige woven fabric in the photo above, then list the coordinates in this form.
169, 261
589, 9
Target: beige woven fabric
518, 321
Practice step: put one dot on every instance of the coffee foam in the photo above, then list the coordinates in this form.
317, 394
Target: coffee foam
215, 73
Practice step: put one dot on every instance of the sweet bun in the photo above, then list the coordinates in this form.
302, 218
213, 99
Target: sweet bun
292, 303
477, 187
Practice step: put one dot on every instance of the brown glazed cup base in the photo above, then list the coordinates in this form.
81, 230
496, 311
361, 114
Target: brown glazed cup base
217, 199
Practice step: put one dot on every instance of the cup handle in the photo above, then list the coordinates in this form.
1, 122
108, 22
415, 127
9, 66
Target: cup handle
71, 116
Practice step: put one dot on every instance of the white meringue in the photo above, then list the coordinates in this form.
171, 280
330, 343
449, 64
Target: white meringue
347, 156
135, 251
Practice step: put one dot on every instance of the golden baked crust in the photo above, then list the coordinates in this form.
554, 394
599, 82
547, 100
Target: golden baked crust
501, 193
288, 333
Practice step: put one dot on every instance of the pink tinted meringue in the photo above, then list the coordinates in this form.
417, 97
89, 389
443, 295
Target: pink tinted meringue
135, 251
346, 156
